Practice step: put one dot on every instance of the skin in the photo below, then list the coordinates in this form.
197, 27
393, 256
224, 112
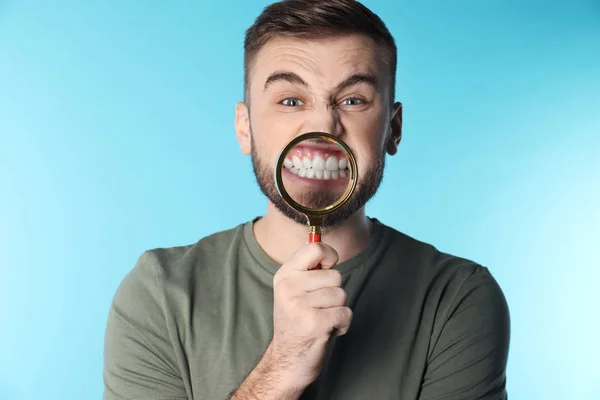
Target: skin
361, 114
299, 86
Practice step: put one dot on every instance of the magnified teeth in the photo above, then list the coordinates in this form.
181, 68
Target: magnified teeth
315, 164
318, 163
306, 162
331, 164
297, 162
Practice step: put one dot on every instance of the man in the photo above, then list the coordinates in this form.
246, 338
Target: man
243, 314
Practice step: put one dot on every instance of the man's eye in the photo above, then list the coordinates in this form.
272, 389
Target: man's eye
352, 101
291, 102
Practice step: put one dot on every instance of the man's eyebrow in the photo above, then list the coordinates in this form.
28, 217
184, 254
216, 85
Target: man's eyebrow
284, 76
291, 77
354, 79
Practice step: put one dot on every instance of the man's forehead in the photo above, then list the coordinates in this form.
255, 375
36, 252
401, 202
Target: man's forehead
332, 54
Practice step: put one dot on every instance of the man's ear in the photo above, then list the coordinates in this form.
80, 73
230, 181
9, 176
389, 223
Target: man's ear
242, 127
396, 130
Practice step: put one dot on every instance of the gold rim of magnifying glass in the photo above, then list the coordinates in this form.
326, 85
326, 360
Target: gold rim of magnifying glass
314, 214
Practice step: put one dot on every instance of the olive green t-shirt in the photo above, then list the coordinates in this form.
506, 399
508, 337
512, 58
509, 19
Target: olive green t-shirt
192, 322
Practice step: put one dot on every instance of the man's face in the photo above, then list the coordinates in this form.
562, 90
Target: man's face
336, 85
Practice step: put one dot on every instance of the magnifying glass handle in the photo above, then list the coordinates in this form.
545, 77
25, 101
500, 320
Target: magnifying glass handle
314, 236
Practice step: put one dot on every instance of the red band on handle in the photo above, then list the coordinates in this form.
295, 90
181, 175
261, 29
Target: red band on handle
314, 238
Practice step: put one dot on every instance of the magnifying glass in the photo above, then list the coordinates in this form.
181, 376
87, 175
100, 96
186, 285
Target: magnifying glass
316, 174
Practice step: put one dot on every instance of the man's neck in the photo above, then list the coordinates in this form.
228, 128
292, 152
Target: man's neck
280, 237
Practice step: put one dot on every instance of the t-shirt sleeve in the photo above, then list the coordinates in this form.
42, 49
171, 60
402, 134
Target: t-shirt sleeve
468, 360
139, 360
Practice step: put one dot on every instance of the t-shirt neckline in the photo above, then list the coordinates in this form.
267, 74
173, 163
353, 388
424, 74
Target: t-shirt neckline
375, 246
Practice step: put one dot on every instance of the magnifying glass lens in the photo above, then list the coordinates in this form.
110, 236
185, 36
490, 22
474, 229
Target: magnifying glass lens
316, 173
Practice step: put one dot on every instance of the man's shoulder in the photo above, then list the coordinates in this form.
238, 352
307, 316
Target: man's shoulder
441, 279
177, 260
427, 260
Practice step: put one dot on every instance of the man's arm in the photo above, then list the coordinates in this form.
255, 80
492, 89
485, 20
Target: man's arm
268, 381
468, 360
308, 307
139, 361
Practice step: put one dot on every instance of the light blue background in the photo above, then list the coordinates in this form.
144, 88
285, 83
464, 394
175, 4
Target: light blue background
116, 132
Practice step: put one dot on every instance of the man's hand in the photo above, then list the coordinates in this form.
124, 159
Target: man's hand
309, 306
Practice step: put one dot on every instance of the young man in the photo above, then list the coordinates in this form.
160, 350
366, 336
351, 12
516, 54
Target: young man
243, 315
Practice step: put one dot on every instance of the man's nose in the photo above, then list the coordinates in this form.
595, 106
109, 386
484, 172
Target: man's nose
324, 118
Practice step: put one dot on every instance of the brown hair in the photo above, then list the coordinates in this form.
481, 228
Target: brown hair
310, 19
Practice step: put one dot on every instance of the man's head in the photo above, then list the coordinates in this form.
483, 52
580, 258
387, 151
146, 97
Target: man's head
325, 66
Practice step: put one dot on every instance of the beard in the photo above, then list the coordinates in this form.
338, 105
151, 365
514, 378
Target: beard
366, 188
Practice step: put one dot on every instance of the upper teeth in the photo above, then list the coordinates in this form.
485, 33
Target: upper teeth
318, 167
332, 163
318, 163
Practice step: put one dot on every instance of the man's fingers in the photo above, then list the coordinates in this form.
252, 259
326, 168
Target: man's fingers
306, 258
327, 297
300, 283
340, 319
318, 279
